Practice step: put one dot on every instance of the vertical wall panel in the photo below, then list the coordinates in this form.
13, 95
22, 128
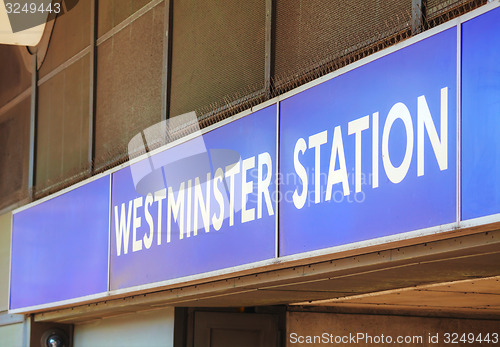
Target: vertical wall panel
218, 51
14, 77
63, 111
129, 85
70, 35
43, 131
76, 109
153, 328
55, 122
5, 232
12, 335
310, 33
113, 12
14, 153
439, 7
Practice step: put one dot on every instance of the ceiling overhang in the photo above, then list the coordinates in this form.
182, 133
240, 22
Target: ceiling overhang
427, 277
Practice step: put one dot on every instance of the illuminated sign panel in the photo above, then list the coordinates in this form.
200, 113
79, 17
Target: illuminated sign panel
371, 152
60, 247
175, 215
481, 116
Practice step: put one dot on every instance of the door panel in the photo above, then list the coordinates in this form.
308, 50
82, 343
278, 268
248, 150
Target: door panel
217, 329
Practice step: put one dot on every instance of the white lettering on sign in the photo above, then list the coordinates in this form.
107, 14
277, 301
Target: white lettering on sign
337, 172
398, 111
300, 199
196, 204
122, 227
208, 202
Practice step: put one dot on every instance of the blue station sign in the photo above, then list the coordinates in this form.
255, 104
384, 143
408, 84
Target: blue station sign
481, 116
200, 206
371, 154
60, 247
